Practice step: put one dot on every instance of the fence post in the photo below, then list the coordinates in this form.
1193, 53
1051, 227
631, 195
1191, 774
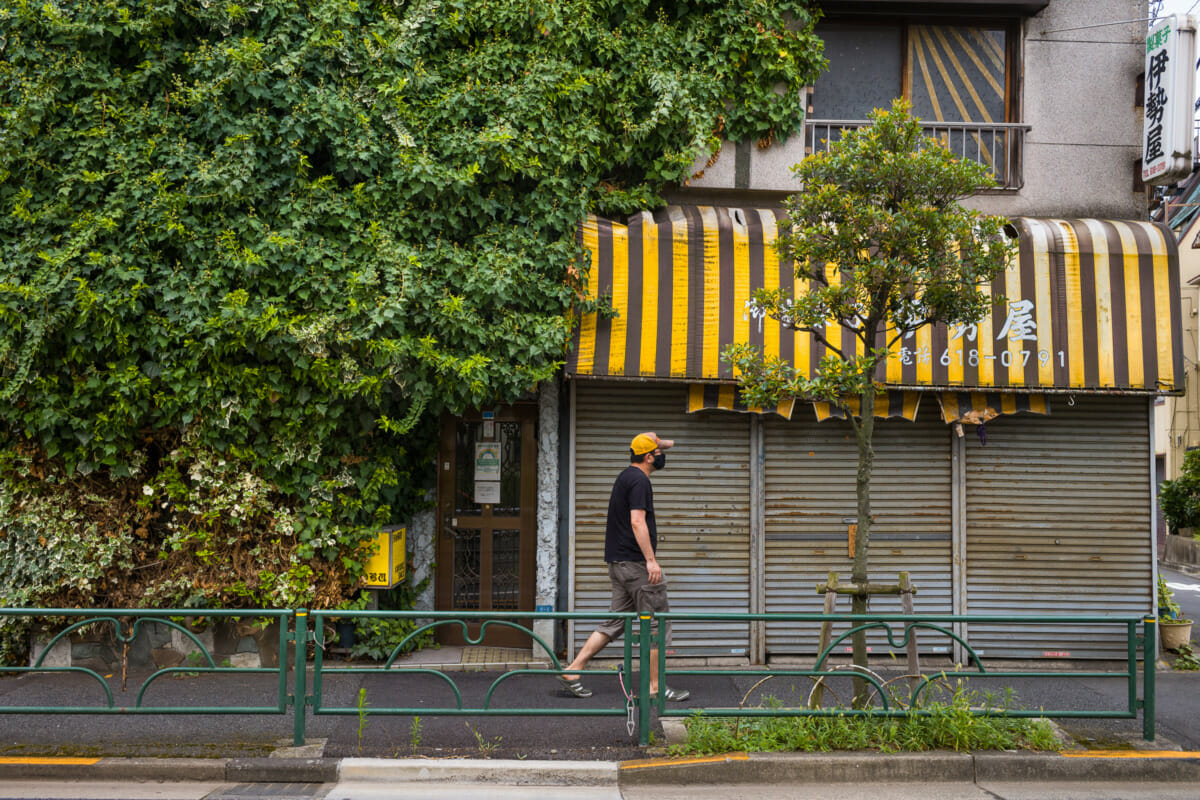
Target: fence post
1131, 636
1149, 664
300, 679
644, 680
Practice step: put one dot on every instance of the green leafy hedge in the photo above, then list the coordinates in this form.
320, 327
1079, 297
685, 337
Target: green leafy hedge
1180, 498
248, 251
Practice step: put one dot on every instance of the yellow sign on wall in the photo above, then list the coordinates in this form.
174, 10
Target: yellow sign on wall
385, 568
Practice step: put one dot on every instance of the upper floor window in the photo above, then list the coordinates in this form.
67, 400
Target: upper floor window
958, 78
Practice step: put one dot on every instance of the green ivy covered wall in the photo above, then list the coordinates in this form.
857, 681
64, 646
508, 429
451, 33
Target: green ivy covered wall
249, 251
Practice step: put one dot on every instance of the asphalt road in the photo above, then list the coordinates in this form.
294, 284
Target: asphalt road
1029, 790
373, 790
1186, 589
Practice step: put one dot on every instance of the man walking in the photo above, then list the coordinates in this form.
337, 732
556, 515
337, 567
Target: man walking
630, 541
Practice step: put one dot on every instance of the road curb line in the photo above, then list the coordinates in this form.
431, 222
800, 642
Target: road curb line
483, 771
650, 763
61, 760
729, 768
282, 770
1130, 754
787, 768
100, 769
772, 768
1096, 766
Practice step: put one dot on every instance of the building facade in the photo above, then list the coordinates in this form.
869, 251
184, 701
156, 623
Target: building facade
1178, 418
1014, 473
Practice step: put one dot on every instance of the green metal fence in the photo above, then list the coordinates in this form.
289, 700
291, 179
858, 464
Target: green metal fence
430, 620
126, 624
910, 625
641, 635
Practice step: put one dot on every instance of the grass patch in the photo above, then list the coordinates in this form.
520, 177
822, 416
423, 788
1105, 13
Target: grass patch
954, 724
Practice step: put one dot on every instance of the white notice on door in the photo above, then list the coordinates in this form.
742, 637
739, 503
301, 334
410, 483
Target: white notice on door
487, 461
487, 491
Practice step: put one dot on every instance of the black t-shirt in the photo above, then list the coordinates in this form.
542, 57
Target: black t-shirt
631, 491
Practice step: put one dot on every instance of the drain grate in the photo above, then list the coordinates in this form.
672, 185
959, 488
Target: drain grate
275, 791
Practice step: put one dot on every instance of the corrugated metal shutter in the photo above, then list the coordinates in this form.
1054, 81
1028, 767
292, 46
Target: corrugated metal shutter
701, 501
810, 490
1058, 522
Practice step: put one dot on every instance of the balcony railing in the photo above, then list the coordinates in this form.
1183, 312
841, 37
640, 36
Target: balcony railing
996, 145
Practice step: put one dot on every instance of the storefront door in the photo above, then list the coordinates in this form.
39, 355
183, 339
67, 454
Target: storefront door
486, 519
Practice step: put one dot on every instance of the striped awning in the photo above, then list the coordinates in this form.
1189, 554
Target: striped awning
976, 408
727, 397
1087, 305
887, 405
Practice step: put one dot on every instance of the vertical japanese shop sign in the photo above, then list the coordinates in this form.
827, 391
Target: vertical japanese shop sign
1170, 92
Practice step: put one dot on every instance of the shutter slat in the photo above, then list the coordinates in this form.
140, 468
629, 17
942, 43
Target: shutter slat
701, 503
1058, 522
810, 472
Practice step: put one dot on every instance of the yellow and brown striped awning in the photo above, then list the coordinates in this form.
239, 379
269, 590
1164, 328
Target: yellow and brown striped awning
887, 405
976, 408
1087, 305
728, 397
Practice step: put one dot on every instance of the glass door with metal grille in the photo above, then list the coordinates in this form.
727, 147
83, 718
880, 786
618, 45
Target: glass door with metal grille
486, 521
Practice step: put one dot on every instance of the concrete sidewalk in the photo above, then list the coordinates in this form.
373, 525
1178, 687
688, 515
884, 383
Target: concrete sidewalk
547, 750
734, 768
452, 658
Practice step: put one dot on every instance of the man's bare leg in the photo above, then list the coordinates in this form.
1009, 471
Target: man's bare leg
654, 671
594, 644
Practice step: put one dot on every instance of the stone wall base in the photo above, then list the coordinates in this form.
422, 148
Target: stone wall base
1181, 551
231, 643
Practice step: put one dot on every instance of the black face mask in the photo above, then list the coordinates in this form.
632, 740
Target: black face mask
660, 460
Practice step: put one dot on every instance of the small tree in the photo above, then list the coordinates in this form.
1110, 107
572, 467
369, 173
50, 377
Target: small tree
1180, 498
879, 238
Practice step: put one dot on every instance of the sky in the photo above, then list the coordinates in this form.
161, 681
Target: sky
1180, 7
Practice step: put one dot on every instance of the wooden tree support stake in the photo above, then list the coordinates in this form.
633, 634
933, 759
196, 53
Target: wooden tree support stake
906, 605
831, 589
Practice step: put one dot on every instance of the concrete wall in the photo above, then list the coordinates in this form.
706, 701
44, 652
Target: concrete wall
1079, 89
1177, 419
422, 543
1079, 95
546, 590
230, 643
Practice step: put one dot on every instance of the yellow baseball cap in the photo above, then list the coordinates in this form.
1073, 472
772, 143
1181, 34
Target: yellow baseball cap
643, 444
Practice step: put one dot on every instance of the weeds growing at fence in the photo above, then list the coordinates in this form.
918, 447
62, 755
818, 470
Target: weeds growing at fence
363, 710
414, 734
486, 746
1187, 661
951, 724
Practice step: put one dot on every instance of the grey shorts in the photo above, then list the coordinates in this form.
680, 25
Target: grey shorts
632, 591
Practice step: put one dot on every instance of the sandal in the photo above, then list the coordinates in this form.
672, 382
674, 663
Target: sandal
676, 695
574, 686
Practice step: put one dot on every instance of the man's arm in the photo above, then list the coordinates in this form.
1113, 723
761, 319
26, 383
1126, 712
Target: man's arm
637, 519
663, 444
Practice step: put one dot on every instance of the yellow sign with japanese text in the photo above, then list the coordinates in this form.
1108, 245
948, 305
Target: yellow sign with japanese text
385, 567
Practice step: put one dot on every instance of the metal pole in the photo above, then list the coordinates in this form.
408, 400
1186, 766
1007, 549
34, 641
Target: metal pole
1149, 664
644, 679
1132, 665
758, 553
300, 682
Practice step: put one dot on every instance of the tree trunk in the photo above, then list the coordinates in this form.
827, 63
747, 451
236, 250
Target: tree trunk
866, 464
